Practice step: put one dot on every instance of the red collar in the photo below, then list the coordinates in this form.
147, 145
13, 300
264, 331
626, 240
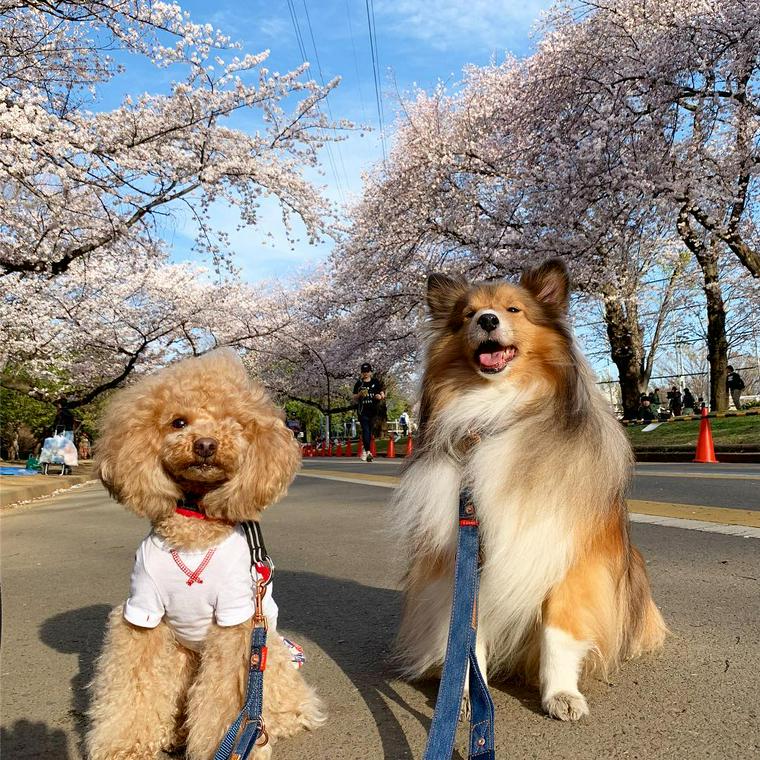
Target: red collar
189, 508
191, 513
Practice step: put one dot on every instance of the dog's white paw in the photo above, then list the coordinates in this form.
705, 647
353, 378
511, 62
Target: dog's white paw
565, 705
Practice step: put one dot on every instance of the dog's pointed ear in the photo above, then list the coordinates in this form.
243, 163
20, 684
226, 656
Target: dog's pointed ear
549, 283
442, 293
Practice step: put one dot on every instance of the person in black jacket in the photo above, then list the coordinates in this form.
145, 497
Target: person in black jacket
688, 402
368, 393
674, 401
645, 410
735, 386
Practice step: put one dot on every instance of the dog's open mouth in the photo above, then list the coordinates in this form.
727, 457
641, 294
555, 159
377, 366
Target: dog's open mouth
491, 357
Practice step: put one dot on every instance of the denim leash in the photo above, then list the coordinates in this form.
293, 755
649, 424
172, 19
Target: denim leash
243, 735
460, 651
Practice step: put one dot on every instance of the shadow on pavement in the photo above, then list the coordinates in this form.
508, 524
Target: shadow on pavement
33, 740
355, 626
77, 632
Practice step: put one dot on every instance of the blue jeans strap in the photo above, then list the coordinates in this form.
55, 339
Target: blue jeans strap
242, 735
482, 743
461, 639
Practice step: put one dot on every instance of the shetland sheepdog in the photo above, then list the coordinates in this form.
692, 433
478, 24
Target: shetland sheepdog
510, 408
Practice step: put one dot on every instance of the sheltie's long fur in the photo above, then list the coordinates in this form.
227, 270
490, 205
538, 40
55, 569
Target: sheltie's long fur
562, 589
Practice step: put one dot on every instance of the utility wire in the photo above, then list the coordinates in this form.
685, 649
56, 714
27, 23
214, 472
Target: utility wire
370, 6
356, 61
327, 99
305, 59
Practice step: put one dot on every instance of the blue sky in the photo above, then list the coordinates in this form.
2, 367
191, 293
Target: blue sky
418, 44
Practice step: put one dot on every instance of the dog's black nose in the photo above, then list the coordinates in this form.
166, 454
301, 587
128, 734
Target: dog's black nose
488, 321
205, 447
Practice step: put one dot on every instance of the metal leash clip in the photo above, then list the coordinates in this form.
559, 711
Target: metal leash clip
259, 618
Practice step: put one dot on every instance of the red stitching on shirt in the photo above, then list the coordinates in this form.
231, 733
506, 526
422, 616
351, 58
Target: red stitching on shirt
194, 576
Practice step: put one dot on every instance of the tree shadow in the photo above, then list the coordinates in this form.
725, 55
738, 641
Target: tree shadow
33, 740
79, 632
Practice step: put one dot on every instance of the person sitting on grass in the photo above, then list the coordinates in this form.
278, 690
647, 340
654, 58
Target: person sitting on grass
645, 411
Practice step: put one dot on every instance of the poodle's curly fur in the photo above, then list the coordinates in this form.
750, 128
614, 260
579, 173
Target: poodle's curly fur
149, 692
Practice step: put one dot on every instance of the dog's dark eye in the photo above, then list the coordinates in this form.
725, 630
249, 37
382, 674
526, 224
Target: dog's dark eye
512, 309
179, 423
469, 314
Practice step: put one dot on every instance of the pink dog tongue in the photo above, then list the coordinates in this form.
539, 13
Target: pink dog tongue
492, 360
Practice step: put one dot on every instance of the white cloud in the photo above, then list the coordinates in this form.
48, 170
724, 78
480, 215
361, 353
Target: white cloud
452, 24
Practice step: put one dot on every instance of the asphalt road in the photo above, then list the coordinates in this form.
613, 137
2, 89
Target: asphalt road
66, 560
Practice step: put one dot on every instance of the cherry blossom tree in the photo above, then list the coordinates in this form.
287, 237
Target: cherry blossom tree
592, 150
675, 90
471, 187
76, 181
90, 329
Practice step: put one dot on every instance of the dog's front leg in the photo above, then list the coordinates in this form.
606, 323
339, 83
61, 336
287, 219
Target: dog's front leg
217, 696
218, 692
566, 638
138, 692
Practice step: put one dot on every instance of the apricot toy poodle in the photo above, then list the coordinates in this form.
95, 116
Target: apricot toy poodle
197, 448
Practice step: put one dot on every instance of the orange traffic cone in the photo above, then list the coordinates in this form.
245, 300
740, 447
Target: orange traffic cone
360, 447
348, 452
391, 453
339, 452
372, 447
409, 446
705, 448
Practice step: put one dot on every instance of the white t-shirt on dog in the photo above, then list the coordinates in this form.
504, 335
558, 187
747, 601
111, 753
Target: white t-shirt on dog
193, 588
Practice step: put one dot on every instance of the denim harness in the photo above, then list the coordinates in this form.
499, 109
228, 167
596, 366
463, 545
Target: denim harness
460, 651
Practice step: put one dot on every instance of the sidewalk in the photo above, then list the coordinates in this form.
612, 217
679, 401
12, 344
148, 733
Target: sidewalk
19, 488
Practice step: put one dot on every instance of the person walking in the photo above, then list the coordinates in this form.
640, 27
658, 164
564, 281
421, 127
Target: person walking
368, 393
688, 401
675, 402
403, 421
735, 386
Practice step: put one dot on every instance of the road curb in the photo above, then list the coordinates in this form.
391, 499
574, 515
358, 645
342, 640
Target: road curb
15, 490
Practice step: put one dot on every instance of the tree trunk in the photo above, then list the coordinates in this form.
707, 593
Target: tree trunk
717, 343
626, 343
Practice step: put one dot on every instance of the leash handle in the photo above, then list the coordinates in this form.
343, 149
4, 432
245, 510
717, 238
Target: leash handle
460, 654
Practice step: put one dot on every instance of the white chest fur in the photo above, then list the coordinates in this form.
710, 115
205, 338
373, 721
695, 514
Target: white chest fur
525, 533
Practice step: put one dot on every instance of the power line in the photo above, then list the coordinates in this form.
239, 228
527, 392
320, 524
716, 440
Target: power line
305, 59
327, 97
369, 4
356, 61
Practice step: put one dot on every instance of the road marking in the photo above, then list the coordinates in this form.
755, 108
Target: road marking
739, 522
698, 475
706, 527
719, 515
384, 481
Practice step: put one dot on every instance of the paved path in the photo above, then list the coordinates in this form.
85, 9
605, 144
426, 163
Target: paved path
66, 560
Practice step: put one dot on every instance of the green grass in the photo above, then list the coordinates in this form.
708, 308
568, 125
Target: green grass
726, 431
